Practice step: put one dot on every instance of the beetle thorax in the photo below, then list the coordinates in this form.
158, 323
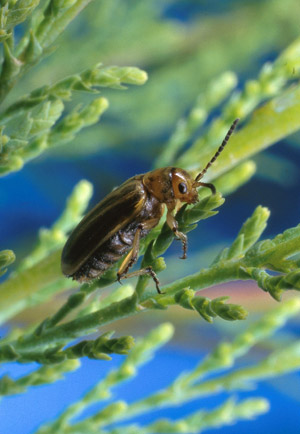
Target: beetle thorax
170, 184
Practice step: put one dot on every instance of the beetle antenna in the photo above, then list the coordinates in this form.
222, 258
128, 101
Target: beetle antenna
225, 141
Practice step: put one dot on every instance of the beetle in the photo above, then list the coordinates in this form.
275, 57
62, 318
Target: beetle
127, 214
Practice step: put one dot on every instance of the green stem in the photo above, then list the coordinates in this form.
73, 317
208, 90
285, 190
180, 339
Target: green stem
17, 291
49, 30
269, 124
52, 27
231, 381
81, 326
219, 273
62, 334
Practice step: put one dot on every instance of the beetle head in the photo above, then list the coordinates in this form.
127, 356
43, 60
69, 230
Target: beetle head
170, 184
184, 186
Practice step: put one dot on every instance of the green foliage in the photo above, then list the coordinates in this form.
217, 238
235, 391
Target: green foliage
226, 414
49, 117
51, 239
272, 79
180, 56
34, 123
188, 385
218, 90
7, 257
44, 375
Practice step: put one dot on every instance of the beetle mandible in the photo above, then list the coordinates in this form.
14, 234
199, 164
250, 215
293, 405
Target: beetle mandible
117, 223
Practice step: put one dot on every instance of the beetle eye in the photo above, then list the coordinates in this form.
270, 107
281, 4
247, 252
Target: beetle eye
182, 188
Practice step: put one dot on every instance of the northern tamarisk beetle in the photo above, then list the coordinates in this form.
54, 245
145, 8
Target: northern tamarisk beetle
127, 214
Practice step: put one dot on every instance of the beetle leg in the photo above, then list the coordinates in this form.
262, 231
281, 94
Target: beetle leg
173, 225
132, 256
148, 270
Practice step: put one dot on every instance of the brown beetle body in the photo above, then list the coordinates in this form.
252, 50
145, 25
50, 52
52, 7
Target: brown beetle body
116, 225
141, 208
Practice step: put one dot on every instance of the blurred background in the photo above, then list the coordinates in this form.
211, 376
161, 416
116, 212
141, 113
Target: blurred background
182, 45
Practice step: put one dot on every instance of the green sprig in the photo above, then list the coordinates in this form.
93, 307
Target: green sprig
7, 257
90, 80
13, 13
142, 351
244, 258
277, 363
271, 80
215, 93
99, 348
207, 308
233, 179
55, 20
65, 130
259, 255
226, 414
188, 386
248, 235
51, 239
44, 375
28, 133
32, 124
277, 285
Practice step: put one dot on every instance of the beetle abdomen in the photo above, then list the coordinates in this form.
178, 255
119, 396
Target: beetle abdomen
146, 211
107, 218
109, 253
